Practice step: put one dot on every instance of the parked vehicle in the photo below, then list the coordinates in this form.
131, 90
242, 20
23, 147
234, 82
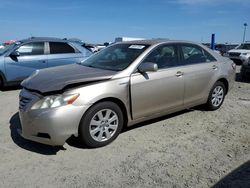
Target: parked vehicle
91, 47
245, 68
123, 84
9, 42
224, 48
19, 59
239, 53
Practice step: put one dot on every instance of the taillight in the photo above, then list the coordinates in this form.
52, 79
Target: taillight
234, 66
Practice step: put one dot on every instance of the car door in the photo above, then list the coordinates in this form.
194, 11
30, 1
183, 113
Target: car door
29, 57
156, 92
199, 69
61, 53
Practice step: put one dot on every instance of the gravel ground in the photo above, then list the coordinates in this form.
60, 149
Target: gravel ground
193, 148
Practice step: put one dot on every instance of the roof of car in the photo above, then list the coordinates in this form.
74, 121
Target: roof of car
42, 39
156, 41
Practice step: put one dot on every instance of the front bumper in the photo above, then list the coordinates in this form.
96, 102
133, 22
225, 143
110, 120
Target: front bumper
51, 126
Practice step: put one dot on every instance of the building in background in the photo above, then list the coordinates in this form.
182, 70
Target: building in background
123, 39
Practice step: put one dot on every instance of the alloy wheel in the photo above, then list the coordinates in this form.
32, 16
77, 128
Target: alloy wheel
103, 125
217, 96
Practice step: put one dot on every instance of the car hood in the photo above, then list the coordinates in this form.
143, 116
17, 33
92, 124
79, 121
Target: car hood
239, 51
57, 78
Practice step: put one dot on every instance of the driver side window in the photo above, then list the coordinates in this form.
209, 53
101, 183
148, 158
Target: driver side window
164, 56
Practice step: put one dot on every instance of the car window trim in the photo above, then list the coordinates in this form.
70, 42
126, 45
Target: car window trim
47, 49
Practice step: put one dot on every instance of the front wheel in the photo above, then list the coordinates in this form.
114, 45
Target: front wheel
1, 83
101, 124
216, 96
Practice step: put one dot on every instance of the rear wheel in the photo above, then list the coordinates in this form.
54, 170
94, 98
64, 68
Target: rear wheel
101, 124
216, 96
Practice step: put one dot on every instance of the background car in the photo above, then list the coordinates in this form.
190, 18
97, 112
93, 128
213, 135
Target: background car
91, 47
9, 42
224, 48
239, 53
123, 84
19, 59
245, 68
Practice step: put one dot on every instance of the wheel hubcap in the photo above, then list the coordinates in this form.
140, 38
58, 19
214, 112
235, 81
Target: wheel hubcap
103, 125
217, 96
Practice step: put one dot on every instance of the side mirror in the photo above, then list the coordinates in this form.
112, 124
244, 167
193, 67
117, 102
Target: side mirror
15, 54
148, 67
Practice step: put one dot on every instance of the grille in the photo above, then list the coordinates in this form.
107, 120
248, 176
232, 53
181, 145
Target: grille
23, 101
234, 54
27, 98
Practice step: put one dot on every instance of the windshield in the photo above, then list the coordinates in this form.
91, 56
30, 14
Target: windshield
116, 57
5, 47
244, 46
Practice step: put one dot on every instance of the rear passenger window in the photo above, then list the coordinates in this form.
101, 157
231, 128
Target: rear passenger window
164, 56
60, 48
194, 54
33, 48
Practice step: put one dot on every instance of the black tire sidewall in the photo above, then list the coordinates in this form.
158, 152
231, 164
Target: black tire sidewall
85, 121
1, 83
210, 106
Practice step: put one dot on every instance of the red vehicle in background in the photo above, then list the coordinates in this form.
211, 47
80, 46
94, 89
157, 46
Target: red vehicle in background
9, 42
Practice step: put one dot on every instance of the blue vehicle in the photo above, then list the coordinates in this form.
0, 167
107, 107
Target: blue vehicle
19, 59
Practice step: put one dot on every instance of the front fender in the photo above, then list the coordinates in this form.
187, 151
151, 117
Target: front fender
92, 93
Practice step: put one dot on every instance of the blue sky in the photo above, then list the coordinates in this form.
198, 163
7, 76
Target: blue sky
103, 20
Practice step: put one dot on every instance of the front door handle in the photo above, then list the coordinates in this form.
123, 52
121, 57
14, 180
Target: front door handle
179, 74
215, 67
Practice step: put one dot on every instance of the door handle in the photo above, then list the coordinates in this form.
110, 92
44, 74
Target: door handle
215, 67
179, 74
42, 61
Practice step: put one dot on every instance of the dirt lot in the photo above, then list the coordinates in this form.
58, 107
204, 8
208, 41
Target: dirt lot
193, 148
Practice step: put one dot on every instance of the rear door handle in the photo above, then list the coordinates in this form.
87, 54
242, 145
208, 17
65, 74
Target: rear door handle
215, 67
42, 61
179, 74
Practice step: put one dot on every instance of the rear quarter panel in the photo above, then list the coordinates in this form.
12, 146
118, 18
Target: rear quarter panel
228, 72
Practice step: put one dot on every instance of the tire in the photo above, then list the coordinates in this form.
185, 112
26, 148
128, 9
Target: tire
105, 121
216, 96
242, 75
1, 83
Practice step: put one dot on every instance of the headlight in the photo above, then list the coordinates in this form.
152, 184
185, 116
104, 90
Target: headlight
226, 54
54, 101
244, 53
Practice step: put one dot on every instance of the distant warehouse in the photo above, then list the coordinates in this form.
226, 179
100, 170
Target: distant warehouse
122, 39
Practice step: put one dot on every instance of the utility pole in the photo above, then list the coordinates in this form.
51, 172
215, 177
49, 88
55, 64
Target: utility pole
244, 34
